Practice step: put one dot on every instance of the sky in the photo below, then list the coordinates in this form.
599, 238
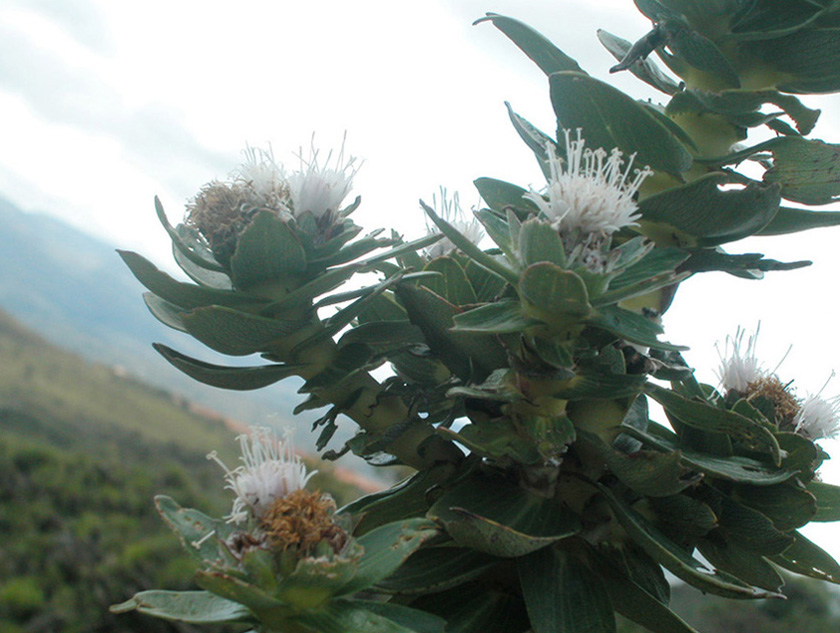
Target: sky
107, 104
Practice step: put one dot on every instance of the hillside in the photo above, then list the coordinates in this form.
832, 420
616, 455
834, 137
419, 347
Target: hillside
83, 449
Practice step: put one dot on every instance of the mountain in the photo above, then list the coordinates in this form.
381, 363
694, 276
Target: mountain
74, 290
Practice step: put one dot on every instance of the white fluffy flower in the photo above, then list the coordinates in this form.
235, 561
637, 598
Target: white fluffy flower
321, 187
818, 417
270, 470
451, 211
739, 366
590, 192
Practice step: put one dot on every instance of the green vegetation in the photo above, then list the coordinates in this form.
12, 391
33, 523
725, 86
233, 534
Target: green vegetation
83, 450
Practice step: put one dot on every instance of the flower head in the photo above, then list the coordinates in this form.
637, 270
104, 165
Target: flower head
590, 192
262, 177
451, 211
819, 418
739, 366
270, 471
320, 188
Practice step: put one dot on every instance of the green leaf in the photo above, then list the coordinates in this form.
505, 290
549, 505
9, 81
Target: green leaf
741, 563
452, 284
493, 516
747, 265
539, 142
788, 505
546, 55
806, 61
486, 285
434, 569
237, 333
188, 242
412, 619
806, 169
701, 53
643, 68
657, 261
183, 295
705, 417
553, 294
478, 608
609, 119
235, 378
500, 195
540, 242
501, 317
267, 251
263, 605
305, 294
194, 607
828, 501
201, 536
789, 220
494, 439
167, 313
706, 215
768, 20
673, 557
808, 559
563, 595
385, 549
631, 327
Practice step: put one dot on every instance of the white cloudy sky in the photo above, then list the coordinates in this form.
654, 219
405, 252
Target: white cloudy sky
105, 104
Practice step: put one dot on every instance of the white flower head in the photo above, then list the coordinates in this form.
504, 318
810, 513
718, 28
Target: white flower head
451, 211
590, 192
270, 470
321, 187
819, 418
739, 366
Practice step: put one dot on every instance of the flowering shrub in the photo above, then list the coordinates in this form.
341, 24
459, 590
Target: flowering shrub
545, 498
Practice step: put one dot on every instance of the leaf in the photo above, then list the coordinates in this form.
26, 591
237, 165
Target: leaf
563, 595
501, 317
807, 170
540, 242
674, 558
183, 295
707, 215
546, 55
701, 53
609, 119
385, 549
643, 68
492, 516
188, 242
200, 535
553, 294
167, 313
235, 378
539, 142
237, 333
413, 619
787, 504
806, 61
705, 417
452, 284
789, 220
194, 607
487, 285
631, 327
808, 559
500, 195
477, 608
305, 294
741, 563
828, 501
434, 569
266, 251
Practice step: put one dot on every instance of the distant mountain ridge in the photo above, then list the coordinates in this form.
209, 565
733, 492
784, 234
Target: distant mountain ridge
74, 291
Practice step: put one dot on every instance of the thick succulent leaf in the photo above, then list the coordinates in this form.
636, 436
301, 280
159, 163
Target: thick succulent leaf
306, 294
236, 333
478, 608
736, 469
385, 549
749, 529
741, 563
500, 195
497, 228
184, 295
494, 439
806, 61
732, 103
546, 55
194, 607
674, 558
563, 595
657, 261
383, 336
553, 294
202, 276
609, 118
643, 68
787, 505
828, 501
701, 54
747, 265
266, 251
538, 141
540, 242
165, 312
636, 604
706, 417
486, 285
631, 327
501, 317
493, 516
805, 169
704, 214
200, 535
808, 559
188, 242
768, 20
235, 378
789, 220
451, 283
261, 603
412, 619
434, 569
